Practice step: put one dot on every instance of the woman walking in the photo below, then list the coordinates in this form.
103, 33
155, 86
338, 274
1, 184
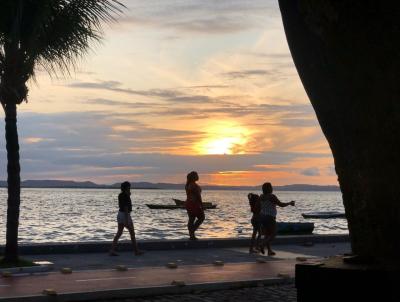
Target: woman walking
268, 202
194, 204
124, 219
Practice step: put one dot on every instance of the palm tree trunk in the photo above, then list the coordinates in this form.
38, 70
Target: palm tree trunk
14, 183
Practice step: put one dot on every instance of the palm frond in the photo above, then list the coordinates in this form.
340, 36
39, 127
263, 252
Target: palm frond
54, 33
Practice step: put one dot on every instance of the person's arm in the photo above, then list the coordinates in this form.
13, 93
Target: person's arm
280, 203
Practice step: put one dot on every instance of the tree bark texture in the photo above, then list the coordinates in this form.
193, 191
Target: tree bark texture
347, 54
14, 183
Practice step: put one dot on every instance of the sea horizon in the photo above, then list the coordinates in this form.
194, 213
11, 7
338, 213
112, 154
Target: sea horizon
162, 185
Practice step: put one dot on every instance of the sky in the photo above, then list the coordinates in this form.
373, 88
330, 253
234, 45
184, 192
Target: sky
176, 86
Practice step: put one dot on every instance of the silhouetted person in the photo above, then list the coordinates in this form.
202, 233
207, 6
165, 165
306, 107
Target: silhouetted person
268, 213
194, 204
124, 218
255, 207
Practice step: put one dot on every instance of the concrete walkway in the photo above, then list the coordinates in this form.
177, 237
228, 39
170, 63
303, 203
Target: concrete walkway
95, 276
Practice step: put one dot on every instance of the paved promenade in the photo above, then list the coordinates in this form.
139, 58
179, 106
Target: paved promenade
94, 275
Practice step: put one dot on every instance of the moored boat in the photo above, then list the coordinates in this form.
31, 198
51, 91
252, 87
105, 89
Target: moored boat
295, 228
324, 215
173, 206
179, 202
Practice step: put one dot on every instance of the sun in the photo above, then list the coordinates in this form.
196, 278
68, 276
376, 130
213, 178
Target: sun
220, 146
223, 138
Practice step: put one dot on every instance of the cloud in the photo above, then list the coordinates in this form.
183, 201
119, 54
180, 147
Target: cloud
204, 17
118, 104
115, 86
246, 73
167, 95
310, 172
274, 56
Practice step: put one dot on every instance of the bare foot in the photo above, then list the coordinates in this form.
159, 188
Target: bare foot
262, 250
271, 253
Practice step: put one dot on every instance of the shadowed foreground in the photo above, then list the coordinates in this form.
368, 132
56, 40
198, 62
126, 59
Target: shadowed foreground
272, 293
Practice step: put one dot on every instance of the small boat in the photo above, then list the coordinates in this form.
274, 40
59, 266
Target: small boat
179, 202
173, 206
324, 215
295, 228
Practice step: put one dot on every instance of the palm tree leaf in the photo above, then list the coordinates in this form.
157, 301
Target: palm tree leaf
53, 33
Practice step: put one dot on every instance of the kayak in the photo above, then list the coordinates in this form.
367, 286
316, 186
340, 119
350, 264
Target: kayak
179, 202
324, 215
295, 228
173, 206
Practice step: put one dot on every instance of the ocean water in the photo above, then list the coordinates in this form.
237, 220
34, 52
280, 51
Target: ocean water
70, 215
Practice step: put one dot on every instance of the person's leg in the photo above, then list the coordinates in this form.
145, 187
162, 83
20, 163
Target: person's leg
266, 241
253, 238
253, 235
116, 238
270, 230
199, 221
190, 226
271, 237
131, 230
258, 242
263, 231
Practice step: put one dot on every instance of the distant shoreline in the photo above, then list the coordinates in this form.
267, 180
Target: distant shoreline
61, 184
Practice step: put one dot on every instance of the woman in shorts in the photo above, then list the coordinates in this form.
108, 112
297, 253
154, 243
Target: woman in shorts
124, 219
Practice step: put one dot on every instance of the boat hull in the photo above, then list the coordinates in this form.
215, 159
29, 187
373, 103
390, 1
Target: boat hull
174, 207
324, 215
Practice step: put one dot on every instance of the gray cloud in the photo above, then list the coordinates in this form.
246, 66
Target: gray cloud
310, 172
192, 99
281, 56
109, 102
246, 73
115, 86
206, 17
166, 95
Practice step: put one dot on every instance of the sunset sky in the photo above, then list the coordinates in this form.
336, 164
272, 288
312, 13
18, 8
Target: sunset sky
178, 86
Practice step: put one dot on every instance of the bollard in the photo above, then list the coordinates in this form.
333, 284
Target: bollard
6, 274
172, 265
179, 283
49, 292
121, 268
66, 270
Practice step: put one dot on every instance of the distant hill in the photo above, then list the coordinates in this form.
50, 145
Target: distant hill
305, 187
161, 186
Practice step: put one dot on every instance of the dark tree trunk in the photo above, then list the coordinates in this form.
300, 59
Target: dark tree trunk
14, 183
347, 54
